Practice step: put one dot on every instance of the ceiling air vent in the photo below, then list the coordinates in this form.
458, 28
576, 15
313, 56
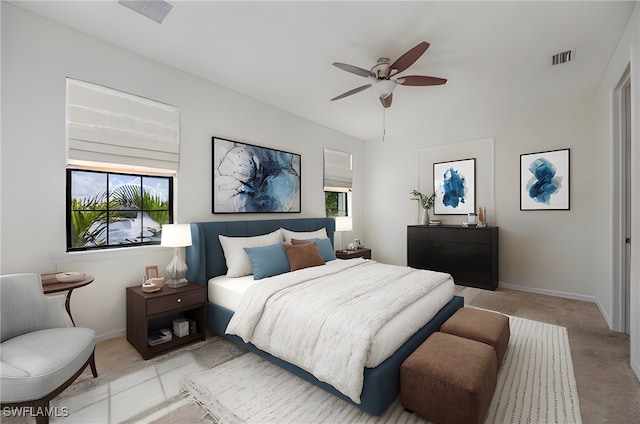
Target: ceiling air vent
563, 57
155, 10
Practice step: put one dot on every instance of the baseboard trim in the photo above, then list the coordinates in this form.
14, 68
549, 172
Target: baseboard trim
565, 295
108, 336
635, 366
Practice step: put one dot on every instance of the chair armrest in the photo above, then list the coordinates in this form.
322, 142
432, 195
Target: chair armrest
57, 315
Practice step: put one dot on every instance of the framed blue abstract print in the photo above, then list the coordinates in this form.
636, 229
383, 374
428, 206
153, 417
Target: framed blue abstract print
544, 180
455, 186
254, 179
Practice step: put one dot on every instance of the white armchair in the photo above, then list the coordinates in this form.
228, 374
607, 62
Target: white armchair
41, 352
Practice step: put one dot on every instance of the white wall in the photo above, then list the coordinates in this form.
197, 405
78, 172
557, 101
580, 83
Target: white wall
545, 251
37, 55
627, 54
483, 153
550, 251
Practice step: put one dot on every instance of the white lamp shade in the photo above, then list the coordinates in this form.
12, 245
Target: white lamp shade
176, 235
344, 223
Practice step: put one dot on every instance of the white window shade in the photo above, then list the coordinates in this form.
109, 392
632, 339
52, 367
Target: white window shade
107, 126
344, 223
337, 169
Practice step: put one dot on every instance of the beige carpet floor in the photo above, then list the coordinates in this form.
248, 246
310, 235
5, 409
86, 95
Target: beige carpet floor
608, 390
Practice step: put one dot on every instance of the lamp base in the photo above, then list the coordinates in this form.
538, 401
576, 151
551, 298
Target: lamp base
176, 271
174, 284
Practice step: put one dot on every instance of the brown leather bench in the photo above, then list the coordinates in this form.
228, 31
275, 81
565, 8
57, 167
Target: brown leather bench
483, 326
449, 379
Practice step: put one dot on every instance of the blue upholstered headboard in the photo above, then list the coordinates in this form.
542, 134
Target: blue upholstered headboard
205, 258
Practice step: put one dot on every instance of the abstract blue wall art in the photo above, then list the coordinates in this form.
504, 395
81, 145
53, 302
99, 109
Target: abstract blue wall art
254, 179
454, 188
454, 185
544, 180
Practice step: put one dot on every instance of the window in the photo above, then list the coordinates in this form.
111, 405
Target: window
336, 202
111, 209
123, 152
338, 173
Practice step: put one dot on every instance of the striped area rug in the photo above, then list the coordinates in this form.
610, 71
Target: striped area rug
536, 384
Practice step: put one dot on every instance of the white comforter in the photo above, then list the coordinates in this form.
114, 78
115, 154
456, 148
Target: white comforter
323, 320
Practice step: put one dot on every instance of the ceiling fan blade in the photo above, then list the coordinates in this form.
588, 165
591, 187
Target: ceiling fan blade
420, 80
409, 58
350, 92
352, 69
386, 101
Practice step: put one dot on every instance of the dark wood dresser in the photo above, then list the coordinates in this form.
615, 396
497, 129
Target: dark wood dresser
470, 255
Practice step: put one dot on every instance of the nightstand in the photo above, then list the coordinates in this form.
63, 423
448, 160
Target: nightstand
351, 254
149, 312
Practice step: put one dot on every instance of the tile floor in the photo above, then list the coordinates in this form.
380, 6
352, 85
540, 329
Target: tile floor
131, 395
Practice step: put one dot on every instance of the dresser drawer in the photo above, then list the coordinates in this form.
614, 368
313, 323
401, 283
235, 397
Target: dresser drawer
443, 234
175, 301
476, 235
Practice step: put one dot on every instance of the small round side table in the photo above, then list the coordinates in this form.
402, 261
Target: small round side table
56, 287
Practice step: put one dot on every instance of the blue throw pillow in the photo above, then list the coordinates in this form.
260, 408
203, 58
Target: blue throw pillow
325, 248
268, 261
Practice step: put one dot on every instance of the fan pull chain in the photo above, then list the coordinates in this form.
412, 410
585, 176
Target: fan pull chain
384, 125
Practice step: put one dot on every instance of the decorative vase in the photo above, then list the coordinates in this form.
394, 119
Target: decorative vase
424, 216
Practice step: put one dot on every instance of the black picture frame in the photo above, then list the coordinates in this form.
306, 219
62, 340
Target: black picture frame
248, 178
454, 183
545, 180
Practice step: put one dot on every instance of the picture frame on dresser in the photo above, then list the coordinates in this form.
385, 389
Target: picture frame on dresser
151, 271
254, 179
454, 183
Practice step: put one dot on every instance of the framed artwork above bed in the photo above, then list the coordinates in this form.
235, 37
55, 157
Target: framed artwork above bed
254, 179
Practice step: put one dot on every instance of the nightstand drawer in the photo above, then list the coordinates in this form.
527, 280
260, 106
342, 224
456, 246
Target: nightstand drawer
174, 301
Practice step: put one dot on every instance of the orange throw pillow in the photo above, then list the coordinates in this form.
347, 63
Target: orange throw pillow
303, 255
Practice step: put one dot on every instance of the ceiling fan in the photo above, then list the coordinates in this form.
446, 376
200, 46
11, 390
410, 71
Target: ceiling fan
384, 77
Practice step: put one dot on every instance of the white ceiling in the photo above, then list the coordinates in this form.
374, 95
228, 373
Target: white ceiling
281, 52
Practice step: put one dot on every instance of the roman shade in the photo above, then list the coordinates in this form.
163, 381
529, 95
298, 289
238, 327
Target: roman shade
337, 169
107, 126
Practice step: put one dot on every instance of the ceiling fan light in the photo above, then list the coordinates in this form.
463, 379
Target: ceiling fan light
383, 88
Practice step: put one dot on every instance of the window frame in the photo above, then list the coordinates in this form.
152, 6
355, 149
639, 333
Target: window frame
347, 199
131, 173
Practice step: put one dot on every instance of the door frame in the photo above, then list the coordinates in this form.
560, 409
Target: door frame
618, 201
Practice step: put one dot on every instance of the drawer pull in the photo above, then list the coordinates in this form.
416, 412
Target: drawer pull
179, 300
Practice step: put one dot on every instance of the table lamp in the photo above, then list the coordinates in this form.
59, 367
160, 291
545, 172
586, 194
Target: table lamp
176, 236
343, 223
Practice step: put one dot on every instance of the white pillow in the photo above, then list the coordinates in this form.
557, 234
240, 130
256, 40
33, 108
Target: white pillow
238, 263
288, 234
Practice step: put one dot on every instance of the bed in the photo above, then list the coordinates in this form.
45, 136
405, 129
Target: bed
205, 260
